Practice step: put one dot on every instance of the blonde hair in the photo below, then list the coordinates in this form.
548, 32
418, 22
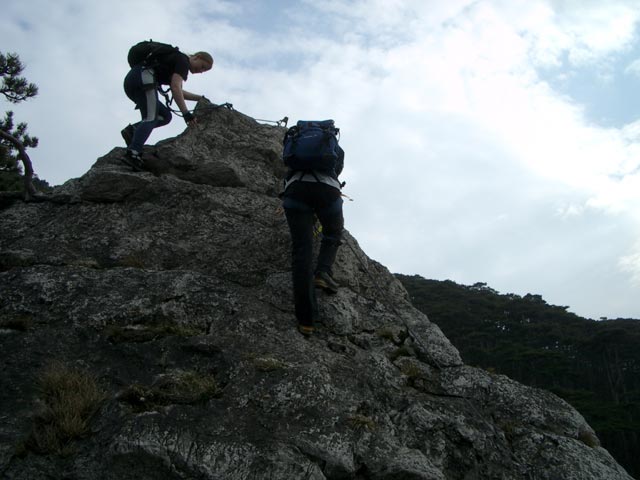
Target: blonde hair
204, 56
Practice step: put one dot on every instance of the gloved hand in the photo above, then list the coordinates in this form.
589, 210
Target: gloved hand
188, 117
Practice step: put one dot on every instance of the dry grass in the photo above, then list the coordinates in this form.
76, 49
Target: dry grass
403, 351
177, 388
68, 399
147, 333
411, 370
386, 332
589, 439
268, 364
132, 260
361, 422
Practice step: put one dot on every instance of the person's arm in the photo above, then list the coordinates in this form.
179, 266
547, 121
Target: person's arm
191, 96
179, 96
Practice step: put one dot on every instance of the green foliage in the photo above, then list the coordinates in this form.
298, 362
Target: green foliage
18, 131
594, 365
15, 89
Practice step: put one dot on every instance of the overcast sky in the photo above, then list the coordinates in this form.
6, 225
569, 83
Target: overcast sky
491, 141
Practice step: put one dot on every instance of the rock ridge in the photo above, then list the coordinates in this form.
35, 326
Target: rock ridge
171, 290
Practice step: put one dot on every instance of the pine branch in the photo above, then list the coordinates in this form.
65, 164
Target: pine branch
29, 189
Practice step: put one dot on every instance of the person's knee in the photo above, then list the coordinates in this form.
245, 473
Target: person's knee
332, 229
334, 240
163, 120
148, 124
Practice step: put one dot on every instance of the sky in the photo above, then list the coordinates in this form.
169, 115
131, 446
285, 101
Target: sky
493, 141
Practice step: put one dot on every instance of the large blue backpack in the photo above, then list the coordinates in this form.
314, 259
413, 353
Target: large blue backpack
312, 145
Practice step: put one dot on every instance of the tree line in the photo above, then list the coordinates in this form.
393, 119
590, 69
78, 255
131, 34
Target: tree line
593, 365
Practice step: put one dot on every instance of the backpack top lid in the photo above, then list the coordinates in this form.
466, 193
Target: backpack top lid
149, 53
328, 124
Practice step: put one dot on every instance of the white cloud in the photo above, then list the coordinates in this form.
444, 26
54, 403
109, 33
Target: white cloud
631, 263
633, 68
587, 31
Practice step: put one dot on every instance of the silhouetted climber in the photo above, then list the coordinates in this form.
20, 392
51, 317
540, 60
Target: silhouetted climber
154, 64
312, 189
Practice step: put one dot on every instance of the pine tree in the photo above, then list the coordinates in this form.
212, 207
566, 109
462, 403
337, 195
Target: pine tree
15, 164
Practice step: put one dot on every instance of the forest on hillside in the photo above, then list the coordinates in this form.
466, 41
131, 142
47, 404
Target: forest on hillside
593, 365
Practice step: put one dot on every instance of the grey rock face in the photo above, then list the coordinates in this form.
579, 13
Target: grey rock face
153, 281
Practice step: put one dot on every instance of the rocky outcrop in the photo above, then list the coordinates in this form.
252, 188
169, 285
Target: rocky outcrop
171, 289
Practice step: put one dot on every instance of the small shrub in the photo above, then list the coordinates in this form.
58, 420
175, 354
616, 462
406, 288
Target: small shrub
411, 370
393, 333
403, 351
387, 333
68, 399
589, 439
361, 422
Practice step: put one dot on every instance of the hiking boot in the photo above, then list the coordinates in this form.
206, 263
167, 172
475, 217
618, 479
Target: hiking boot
324, 281
306, 330
134, 160
127, 134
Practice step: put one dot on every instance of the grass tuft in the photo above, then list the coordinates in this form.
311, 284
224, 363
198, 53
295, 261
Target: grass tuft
361, 422
268, 364
147, 333
68, 399
403, 351
589, 439
411, 370
176, 388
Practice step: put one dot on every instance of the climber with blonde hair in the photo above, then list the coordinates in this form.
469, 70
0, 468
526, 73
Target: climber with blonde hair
154, 64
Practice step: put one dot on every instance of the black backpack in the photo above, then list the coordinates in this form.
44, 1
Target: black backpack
312, 145
149, 53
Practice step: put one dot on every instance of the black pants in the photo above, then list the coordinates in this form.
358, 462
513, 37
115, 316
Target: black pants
303, 202
140, 87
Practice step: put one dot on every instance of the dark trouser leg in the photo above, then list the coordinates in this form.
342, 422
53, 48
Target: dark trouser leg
332, 222
301, 227
139, 86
